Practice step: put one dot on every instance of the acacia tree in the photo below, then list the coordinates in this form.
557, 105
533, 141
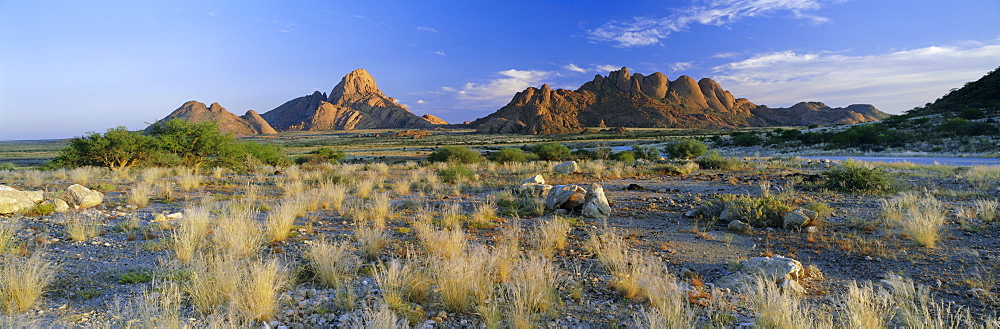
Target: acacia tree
116, 149
193, 143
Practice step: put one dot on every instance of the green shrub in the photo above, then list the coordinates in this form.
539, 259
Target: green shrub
624, 156
646, 152
714, 160
551, 151
509, 155
746, 139
322, 155
135, 277
685, 149
452, 175
762, 211
7, 166
854, 176
457, 154
971, 113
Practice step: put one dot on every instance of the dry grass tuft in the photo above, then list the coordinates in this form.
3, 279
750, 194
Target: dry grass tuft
238, 233
986, 210
333, 264
139, 194
371, 317
389, 278
23, 280
484, 216
81, 228
190, 236
188, 179
534, 278
281, 219
920, 216
158, 307
551, 236
257, 294
777, 308
8, 228
442, 243
371, 240
866, 306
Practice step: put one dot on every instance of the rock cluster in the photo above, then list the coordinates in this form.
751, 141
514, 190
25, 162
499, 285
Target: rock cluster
783, 271
13, 201
590, 201
624, 99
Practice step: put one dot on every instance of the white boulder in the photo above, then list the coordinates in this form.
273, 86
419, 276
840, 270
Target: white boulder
566, 168
83, 197
567, 197
595, 204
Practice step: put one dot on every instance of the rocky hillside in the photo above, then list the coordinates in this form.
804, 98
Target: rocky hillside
249, 124
355, 103
633, 100
807, 113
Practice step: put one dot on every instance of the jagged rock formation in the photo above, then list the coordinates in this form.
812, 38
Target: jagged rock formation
806, 113
249, 124
622, 99
355, 103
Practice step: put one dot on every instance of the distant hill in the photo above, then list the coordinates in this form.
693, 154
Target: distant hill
249, 124
354, 103
622, 99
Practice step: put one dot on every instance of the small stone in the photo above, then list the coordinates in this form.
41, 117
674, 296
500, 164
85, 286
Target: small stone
795, 219
739, 227
691, 213
175, 215
536, 179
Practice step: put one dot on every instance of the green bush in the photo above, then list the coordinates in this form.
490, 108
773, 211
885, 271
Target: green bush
856, 177
674, 169
971, 114
452, 175
624, 156
685, 149
7, 166
508, 155
714, 160
322, 155
762, 211
457, 154
746, 139
646, 152
551, 151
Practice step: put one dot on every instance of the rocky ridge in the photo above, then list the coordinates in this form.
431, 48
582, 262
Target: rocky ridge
623, 99
354, 103
249, 124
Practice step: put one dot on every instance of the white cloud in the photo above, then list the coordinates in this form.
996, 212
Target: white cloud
420, 101
426, 29
438, 52
574, 68
511, 82
893, 82
644, 31
681, 66
606, 68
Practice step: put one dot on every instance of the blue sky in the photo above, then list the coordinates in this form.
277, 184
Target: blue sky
69, 67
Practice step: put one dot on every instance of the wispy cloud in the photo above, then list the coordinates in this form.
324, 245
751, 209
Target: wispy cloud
509, 83
606, 68
893, 82
426, 29
681, 66
644, 31
574, 68
439, 53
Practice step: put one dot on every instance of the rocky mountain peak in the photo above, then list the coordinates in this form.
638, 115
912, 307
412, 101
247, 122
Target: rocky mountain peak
358, 82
